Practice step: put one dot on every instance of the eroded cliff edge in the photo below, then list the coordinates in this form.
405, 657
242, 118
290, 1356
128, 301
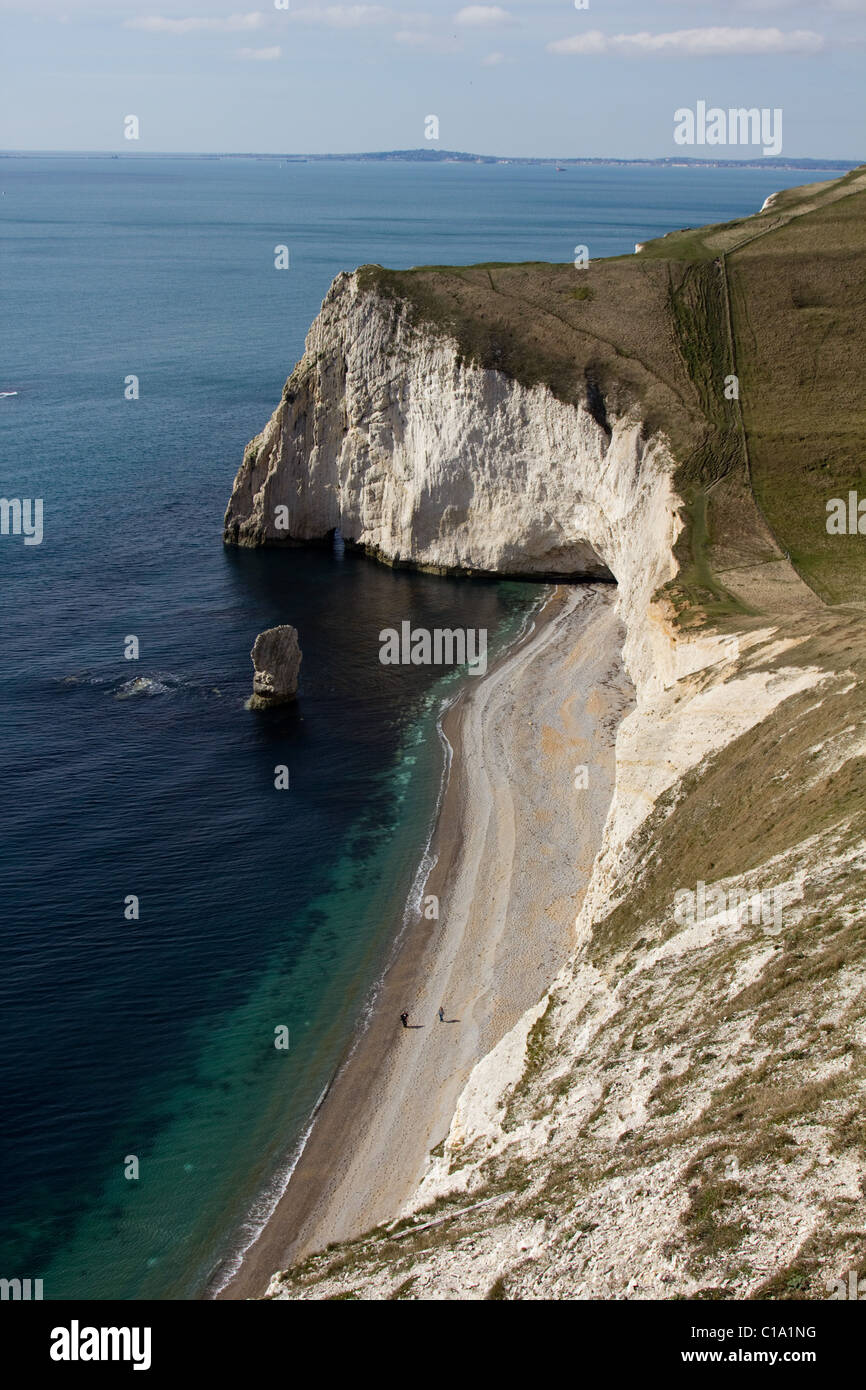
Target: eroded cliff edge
420, 457
681, 1113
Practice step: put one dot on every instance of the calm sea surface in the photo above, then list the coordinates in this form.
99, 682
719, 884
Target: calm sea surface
153, 1039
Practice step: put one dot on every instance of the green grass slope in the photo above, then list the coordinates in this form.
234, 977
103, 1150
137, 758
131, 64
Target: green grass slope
777, 300
798, 298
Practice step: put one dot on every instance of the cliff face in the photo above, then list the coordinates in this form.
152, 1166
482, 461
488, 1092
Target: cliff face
681, 1112
421, 457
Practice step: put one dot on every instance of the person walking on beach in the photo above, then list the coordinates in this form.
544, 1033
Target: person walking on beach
441, 1014
404, 1019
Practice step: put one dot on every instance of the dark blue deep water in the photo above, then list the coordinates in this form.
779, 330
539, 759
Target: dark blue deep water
154, 1038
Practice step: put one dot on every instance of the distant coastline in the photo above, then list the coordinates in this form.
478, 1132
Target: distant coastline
435, 156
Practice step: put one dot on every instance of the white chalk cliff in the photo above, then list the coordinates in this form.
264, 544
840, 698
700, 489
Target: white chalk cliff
618, 1114
386, 433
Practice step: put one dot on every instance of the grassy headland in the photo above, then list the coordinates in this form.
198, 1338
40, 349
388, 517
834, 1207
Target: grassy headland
777, 300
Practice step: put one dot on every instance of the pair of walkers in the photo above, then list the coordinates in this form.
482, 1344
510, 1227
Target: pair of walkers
404, 1017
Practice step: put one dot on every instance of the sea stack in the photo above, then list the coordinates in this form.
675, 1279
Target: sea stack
277, 661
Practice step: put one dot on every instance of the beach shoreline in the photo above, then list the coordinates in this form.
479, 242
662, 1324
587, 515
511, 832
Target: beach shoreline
495, 944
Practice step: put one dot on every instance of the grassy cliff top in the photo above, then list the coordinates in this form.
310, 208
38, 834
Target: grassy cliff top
777, 300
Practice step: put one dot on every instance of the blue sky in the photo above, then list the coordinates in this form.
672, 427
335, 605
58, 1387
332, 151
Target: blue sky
533, 77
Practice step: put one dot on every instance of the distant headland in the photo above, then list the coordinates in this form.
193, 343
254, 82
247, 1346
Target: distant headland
437, 156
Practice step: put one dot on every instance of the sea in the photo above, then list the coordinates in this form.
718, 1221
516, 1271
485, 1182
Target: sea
188, 949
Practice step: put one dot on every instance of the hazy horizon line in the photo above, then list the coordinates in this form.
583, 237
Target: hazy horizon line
440, 156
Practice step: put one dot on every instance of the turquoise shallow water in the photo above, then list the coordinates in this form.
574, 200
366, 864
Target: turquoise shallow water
258, 908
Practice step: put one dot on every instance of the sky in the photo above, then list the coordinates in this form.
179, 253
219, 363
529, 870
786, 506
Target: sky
534, 77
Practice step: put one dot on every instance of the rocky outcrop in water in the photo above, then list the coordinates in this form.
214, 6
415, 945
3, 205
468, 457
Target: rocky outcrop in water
277, 661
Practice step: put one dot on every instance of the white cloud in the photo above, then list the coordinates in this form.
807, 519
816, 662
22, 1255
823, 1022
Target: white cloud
483, 17
693, 43
156, 24
747, 4
833, 6
493, 60
260, 55
345, 16
429, 43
